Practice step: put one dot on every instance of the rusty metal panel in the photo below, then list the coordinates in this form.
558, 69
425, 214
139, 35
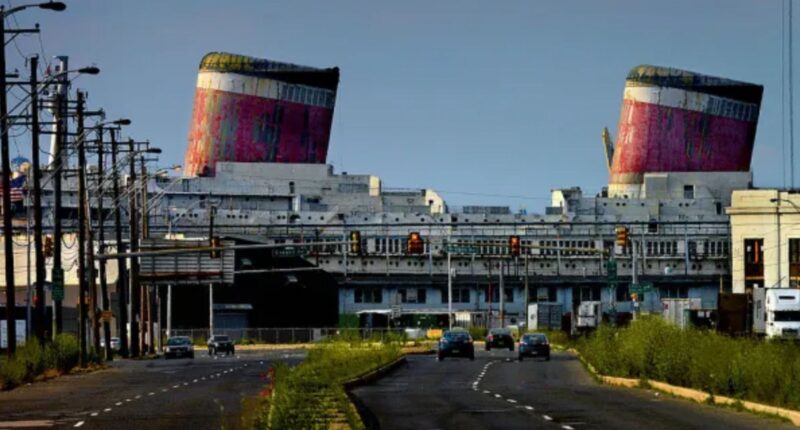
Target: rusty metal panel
186, 268
256, 110
678, 121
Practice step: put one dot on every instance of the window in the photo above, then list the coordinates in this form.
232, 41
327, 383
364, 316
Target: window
754, 263
787, 316
674, 292
652, 226
508, 295
590, 293
794, 263
460, 295
368, 295
688, 191
412, 295
623, 294
545, 294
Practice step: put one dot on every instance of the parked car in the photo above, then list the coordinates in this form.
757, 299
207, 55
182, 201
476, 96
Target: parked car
499, 338
534, 345
179, 346
220, 343
456, 343
114, 343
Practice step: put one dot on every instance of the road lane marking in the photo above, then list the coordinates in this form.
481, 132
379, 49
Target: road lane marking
567, 428
185, 383
547, 417
176, 386
94, 414
151, 393
487, 392
138, 397
164, 390
107, 410
127, 400
194, 381
118, 404
79, 423
511, 401
530, 408
498, 396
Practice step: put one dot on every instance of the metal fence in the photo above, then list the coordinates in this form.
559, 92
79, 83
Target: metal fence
296, 335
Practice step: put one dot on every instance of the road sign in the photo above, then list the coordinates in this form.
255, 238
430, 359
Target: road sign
57, 277
106, 316
641, 288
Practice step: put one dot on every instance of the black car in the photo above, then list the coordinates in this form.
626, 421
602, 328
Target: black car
219, 344
499, 338
534, 345
179, 346
456, 344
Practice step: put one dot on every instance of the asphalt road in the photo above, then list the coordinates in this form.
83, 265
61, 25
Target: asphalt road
497, 392
203, 393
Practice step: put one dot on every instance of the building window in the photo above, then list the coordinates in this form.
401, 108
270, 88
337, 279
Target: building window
590, 293
794, 263
545, 294
460, 295
674, 292
508, 295
688, 191
368, 295
753, 263
412, 295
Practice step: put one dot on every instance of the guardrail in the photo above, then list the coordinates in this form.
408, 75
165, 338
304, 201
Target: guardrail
296, 334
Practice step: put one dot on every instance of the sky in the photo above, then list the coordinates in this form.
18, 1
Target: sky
491, 103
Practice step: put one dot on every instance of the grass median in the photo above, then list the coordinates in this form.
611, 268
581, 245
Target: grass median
742, 368
311, 395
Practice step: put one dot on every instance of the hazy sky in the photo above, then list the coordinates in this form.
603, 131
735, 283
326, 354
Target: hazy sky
487, 102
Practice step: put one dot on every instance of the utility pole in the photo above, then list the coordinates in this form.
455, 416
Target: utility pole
502, 293
146, 296
82, 266
212, 214
41, 274
134, 246
8, 234
122, 284
58, 164
527, 292
449, 290
101, 239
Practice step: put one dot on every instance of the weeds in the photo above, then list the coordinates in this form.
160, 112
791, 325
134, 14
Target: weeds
742, 368
33, 359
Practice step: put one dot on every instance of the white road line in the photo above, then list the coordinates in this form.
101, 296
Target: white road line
94, 414
511, 401
530, 408
194, 381
176, 386
567, 428
107, 410
118, 404
164, 390
487, 392
151, 393
138, 397
547, 417
498, 396
127, 400
185, 383
79, 423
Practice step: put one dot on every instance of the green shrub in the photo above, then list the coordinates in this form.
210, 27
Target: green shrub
743, 368
311, 395
477, 332
66, 352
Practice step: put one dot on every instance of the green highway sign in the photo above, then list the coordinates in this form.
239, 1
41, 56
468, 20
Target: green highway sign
463, 249
641, 288
57, 277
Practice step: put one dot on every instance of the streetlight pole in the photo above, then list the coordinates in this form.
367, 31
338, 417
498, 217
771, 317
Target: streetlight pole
8, 234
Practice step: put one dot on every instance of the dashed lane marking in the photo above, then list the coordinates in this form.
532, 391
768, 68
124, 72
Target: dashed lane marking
176, 386
127, 400
567, 428
107, 410
511, 401
487, 392
118, 404
530, 408
79, 423
94, 414
151, 393
498, 396
547, 417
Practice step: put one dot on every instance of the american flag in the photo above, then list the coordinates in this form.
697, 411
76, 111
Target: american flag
17, 188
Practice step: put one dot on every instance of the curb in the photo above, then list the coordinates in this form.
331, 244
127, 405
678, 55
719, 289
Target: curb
690, 393
374, 375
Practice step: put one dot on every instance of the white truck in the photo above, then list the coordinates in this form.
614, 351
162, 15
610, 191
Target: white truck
589, 315
776, 312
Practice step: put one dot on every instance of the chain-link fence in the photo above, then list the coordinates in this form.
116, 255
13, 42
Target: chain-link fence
297, 335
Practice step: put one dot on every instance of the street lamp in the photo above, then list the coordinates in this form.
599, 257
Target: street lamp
6, 174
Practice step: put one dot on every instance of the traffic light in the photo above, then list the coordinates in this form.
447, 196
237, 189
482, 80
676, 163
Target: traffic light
48, 246
355, 242
622, 236
415, 243
635, 297
216, 243
514, 246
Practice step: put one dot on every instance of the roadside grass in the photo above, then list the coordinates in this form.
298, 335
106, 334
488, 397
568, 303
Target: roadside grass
33, 360
311, 395
741, 368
